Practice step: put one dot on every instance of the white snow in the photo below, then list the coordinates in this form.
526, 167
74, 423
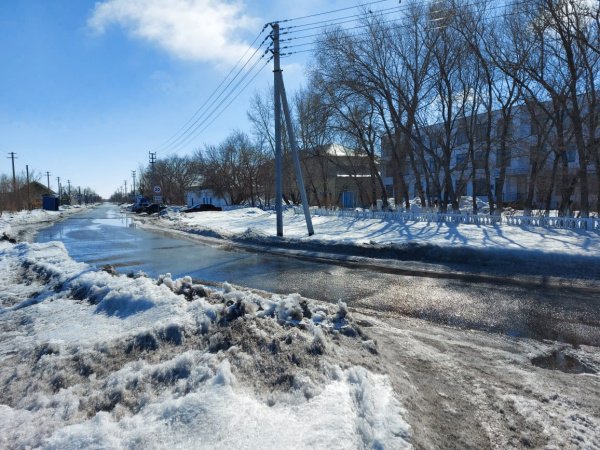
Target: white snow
93, 360
253, 222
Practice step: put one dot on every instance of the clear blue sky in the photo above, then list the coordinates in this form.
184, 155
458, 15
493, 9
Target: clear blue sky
88, 87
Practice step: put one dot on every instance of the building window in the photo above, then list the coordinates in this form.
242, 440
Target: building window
480, 132
480, 188
500, 127
461, 137
479, 160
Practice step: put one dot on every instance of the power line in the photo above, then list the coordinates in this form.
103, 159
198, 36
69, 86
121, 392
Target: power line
331, 11
237, 95
378, 14
207, 103
218, 109
346, 19
394, 21
324, 24
233, 83
209, 108
212, 107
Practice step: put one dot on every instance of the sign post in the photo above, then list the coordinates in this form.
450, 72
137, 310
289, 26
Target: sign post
157, 197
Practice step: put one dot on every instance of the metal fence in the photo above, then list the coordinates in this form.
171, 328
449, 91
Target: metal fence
573, 223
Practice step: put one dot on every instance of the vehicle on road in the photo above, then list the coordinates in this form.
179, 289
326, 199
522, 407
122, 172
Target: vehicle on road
202, 207
154, 208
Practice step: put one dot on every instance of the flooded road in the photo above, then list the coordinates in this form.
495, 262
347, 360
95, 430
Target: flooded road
106, 236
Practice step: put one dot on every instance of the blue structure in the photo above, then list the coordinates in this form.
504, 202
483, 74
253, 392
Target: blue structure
50, 202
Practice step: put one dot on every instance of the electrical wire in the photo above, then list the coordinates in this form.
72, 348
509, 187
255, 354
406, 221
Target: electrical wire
231, 87
393, 21
217, 110
331, 12
209, 107
216, 116
207, 103
347, 18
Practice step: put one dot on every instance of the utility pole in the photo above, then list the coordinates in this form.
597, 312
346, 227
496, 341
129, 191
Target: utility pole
12, 156
296, 157
48, 179
280, 97
152, 156
133, 186
59, 196
69, 190
28, 196
277, 102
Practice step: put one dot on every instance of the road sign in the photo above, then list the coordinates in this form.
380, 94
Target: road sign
158, 199
157, 189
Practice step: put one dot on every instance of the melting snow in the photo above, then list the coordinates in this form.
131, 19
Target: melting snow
89, 359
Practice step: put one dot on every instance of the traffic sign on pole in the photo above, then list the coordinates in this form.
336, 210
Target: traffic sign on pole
157, 189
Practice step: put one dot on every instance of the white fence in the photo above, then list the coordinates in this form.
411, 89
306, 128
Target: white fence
592, 223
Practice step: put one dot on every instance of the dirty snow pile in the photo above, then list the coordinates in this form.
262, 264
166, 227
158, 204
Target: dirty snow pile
89, 358
12, 224
9, 221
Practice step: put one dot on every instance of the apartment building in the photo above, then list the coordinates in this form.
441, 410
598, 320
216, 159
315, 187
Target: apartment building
525, 162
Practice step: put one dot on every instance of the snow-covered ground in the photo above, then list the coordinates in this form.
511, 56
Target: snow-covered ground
345, 230
21, 225
93, 359
534, 254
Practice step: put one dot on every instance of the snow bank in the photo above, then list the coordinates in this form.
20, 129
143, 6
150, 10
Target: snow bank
90, 359
12, 223
255, 224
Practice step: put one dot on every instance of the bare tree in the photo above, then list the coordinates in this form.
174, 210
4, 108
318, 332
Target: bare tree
233, 169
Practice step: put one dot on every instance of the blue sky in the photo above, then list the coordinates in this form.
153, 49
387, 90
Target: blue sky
89, 87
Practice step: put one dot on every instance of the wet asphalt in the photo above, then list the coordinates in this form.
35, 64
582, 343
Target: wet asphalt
104, 236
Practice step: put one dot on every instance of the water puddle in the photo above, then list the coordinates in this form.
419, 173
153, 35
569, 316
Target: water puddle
558, 360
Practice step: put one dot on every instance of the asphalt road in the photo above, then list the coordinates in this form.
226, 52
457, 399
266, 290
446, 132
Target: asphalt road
106, 236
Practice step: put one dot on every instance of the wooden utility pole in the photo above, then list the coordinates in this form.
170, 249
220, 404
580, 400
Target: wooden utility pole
296, 157
28, 196
12, 156
277, 100
280, 97
48, 179
152, 156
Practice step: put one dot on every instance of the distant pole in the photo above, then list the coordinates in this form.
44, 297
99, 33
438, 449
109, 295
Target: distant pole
48, 179
277, 101
12, 156
133, 185
59, 196
126, 194
152, 156
28, 196
296, 156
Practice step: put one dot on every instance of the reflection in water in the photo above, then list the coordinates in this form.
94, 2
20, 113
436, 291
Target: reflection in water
107, 236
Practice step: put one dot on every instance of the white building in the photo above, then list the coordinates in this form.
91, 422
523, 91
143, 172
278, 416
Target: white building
202, 195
